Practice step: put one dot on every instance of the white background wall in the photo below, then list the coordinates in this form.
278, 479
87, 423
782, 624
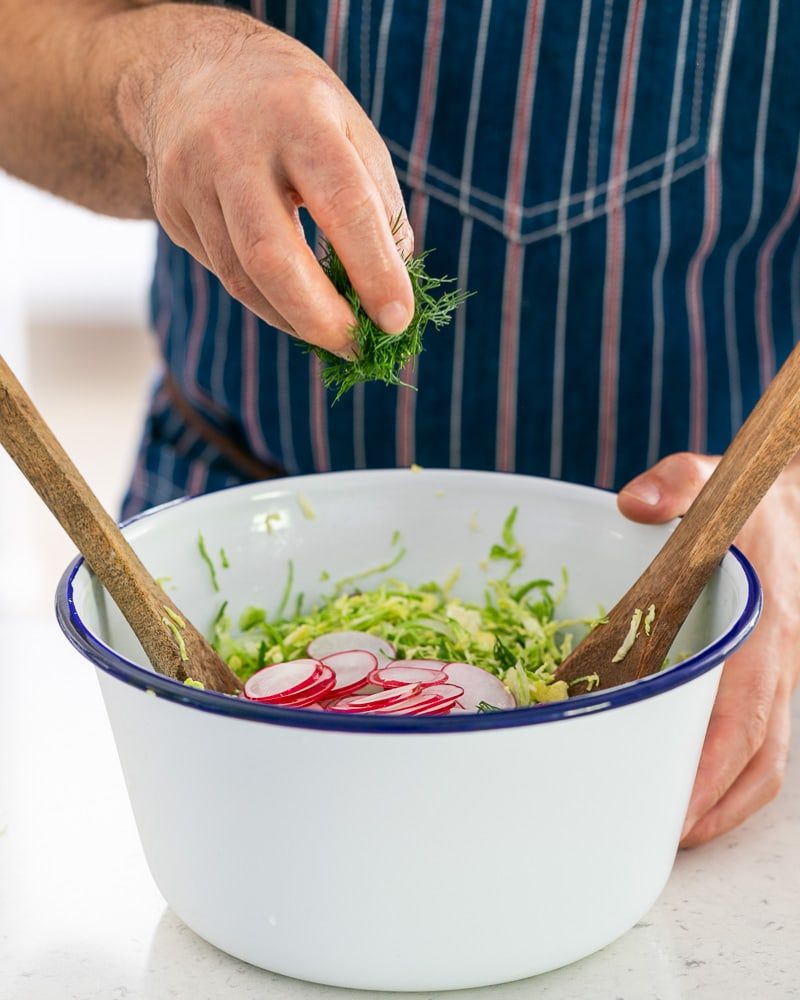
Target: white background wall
73, 326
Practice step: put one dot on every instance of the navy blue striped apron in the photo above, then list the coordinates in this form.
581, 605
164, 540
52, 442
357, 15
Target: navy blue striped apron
616, 180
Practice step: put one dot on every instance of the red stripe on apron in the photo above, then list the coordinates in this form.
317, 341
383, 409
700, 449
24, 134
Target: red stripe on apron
406, 402
505, 444
615, 250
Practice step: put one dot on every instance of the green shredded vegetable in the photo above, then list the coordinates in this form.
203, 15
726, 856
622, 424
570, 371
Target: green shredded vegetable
174, 616
513, 633
176, 633
269, 519
630, 638
305, 507
201, 545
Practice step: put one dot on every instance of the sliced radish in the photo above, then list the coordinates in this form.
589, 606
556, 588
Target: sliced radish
372, 702
479, 685
281, 680
395, 676
342, 642
309, 693
430, 700
421, 664
352, 667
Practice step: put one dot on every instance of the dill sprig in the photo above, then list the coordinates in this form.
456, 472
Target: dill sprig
380, 356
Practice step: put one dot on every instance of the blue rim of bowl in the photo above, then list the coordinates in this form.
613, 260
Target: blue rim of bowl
105, 658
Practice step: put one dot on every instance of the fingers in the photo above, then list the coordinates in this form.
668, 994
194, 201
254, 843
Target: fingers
668, 489
237, 158
214, 251
266, 260
375, 157
345, 202
757, 784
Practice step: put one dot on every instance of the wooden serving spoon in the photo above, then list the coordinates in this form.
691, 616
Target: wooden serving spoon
149, 612
672, 582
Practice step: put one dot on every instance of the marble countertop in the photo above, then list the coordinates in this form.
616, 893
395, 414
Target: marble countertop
80, 917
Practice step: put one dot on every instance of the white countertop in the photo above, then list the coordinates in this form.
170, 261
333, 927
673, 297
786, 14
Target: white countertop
81, 919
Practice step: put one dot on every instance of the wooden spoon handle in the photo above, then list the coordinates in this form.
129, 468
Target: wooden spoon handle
768, 440
672, 582
48, 468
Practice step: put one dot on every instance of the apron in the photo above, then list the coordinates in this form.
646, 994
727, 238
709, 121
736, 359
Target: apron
618, 183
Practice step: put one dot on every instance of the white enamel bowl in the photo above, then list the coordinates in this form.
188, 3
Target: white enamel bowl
405, 853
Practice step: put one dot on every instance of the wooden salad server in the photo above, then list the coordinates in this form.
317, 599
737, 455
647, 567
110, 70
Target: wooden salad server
158, 624
672, 582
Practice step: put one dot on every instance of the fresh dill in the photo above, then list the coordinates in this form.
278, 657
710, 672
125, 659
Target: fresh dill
380, 356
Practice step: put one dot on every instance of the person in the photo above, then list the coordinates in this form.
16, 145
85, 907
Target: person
617, 181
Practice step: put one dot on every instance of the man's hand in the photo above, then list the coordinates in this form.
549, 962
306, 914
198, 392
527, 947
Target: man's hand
220, 127
239, 125
747, 743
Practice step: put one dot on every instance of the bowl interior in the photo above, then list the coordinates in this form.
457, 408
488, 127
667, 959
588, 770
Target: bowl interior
342, 524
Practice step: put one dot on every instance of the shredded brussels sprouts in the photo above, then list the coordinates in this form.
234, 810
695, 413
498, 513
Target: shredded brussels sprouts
513, 633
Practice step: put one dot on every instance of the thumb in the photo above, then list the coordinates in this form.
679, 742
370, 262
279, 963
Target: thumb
666, 490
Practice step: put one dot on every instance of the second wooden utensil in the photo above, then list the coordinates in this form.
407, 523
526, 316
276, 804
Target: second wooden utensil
672, 582
172, 644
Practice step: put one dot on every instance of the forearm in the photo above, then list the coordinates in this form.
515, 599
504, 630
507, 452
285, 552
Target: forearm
220, 127
65, 64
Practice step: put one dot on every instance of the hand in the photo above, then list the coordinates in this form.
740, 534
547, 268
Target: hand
239, 125
747, 744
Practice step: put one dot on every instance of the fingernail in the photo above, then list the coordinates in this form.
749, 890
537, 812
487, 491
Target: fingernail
644, 490
347, 354
393, 317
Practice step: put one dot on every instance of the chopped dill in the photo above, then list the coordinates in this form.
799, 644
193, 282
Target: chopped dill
381, 356
224, 559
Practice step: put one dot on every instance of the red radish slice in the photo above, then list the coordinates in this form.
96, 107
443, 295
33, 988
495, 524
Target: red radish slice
321, 688
479, 685
371, 702
342, 642
281, 680
394, 676
351, 667
433, 710
422, 664
430, 700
